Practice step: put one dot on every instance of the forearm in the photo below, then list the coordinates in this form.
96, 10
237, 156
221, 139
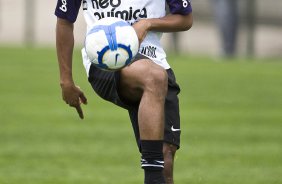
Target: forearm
64, 44
171, 23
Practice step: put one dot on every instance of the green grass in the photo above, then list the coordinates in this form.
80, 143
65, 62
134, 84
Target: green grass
231, 124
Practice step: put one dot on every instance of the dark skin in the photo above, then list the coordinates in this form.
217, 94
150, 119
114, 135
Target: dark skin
150, 93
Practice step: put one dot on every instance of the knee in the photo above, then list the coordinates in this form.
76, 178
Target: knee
156, 81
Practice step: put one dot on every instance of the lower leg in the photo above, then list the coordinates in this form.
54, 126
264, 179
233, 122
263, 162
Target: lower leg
152, 161
169, 151
151, 127
151, 80
151, 116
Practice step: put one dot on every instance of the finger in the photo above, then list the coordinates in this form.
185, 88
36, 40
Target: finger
79, 111
73, 103
83, 99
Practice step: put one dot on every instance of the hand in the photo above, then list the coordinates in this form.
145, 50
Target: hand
73, 96
142, 27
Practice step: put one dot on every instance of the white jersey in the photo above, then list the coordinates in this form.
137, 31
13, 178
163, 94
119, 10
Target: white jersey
129, 10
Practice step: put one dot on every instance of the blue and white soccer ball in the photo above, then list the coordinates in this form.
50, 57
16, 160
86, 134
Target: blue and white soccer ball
111, 44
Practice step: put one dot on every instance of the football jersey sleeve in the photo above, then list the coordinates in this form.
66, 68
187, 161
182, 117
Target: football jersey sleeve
68, 9
182, 7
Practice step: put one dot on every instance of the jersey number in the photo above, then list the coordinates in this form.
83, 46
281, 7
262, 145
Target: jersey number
185, 3
64, 6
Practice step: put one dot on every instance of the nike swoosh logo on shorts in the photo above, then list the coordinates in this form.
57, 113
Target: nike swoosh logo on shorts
175, 129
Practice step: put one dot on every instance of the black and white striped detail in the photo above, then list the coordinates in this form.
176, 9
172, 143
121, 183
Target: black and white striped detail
152, 164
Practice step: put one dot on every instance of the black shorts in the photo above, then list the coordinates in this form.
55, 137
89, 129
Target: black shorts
105, 84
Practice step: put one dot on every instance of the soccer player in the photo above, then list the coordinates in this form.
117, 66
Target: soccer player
147, 88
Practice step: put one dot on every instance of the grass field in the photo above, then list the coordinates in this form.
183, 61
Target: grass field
231, 124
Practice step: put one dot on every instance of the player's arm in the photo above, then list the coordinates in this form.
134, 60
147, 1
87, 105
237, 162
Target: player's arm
65, 44
72, 94
179, 19
170, 23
